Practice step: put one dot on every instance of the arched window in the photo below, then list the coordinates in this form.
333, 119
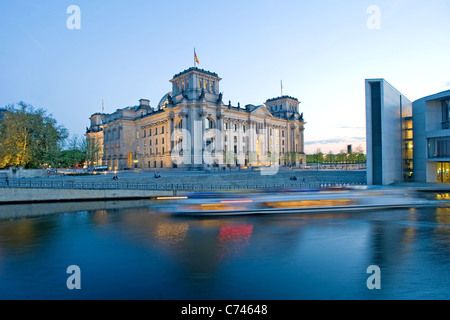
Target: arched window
209, 123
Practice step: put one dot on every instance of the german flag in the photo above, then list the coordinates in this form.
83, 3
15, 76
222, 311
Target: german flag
195, 57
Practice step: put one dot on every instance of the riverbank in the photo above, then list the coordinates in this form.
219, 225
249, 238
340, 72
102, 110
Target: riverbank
36, 195
144, 185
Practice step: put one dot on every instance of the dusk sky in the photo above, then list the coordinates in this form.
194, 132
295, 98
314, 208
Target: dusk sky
128, 50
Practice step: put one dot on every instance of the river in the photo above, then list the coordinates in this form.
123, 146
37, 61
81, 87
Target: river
128, 250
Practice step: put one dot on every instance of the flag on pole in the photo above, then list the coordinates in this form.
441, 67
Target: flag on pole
195, 58
103, 106
281, 87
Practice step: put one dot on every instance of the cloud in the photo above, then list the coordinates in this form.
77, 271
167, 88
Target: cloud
352, 127
336, 140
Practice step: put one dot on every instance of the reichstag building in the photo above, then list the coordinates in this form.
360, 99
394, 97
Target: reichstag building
192, 127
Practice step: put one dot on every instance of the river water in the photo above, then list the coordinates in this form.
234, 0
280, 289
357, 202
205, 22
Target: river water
127, 250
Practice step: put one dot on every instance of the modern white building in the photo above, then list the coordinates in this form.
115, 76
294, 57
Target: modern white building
388, 114
406, 142
431, 127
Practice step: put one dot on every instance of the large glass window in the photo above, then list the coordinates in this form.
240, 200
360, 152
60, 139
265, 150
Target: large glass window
442, 172
439, 147
407, 148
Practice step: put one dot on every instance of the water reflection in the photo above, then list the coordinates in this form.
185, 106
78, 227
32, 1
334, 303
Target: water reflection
233, 239
147, 254
171, 232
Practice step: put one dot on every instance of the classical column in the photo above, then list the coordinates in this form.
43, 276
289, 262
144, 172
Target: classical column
267, 142
170, 128
185, 137
202, 139
301, 141
239, 143
219, 140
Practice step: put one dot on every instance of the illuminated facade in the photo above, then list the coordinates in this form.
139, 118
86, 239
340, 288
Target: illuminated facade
192, 127
431, 127
406, 141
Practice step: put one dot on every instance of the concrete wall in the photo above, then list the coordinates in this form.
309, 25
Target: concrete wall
369, 134
392, 105
17, 195
420, 142
23, 173
430, 174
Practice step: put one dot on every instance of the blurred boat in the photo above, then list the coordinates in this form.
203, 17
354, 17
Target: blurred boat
217, 204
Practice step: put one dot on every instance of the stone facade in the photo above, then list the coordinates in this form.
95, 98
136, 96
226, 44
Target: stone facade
192, 127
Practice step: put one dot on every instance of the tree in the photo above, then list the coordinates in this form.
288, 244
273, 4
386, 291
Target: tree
74, 153
341, 157
29, 138
330, 157
360, 156
93, 151
318, 155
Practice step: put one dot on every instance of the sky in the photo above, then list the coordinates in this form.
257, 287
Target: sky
322, 51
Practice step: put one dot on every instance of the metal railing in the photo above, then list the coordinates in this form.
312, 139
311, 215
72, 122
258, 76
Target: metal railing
127, 185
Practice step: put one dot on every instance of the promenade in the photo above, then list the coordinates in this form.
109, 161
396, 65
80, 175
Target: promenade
143, 184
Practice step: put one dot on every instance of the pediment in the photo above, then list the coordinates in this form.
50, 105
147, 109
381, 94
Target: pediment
261, 111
